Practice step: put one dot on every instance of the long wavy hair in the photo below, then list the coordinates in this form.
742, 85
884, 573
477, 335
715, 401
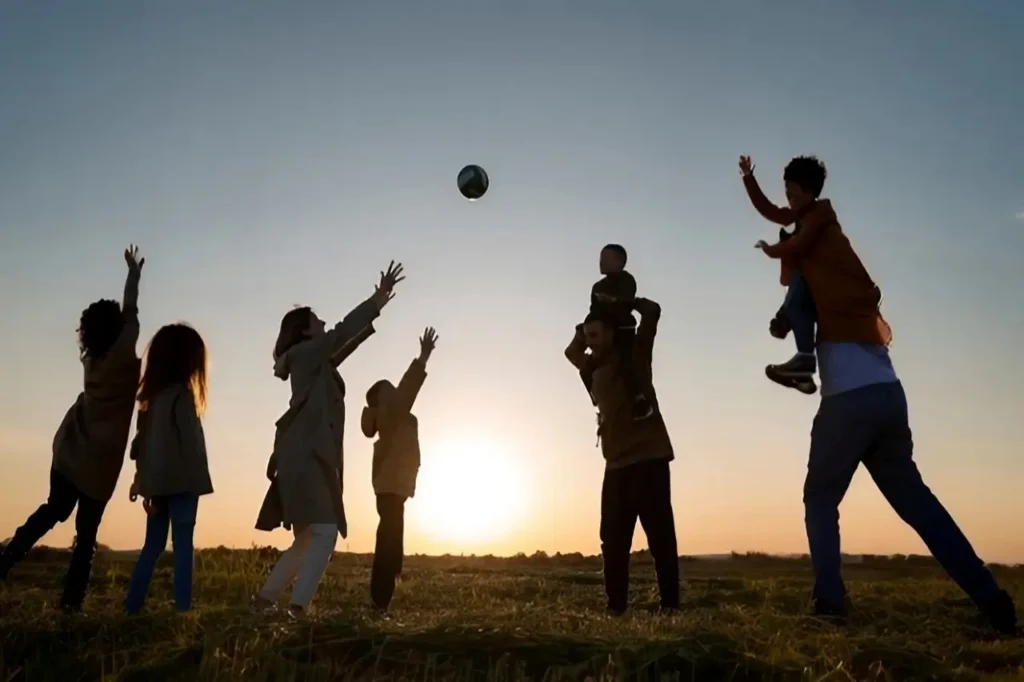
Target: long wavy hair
98, 328
175, 355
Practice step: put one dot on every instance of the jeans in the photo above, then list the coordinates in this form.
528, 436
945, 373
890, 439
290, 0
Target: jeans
641, 491
801, 313
60, 502
870, 425
389, 551
178, 512
304, 562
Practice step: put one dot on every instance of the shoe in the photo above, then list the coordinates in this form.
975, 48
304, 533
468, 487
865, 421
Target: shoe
642, 408
779, 327
296, 612
615, 612
805, 385
668, 611
828, 611
70, 608
800, 366
263, 605
1002, 613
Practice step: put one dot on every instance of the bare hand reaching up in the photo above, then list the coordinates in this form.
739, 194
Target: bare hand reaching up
746, 166
131, 257
384, 291
427, 343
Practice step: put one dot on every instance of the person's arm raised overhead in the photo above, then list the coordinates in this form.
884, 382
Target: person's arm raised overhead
769, 211
412, 381
650, 314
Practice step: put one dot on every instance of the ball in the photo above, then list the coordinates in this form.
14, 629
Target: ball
473, 182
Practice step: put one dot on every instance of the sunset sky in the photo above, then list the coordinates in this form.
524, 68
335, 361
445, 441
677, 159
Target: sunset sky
265, 154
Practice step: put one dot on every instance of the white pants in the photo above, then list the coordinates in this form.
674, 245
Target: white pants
306, 560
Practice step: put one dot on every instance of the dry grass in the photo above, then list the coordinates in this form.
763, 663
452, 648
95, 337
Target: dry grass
493, 619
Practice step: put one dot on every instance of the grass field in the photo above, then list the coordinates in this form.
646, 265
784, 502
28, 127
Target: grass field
504, 619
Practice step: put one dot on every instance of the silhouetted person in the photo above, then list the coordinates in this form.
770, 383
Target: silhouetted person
89, 447
396, 462
307, 466
169, 450
636, 452
863, 416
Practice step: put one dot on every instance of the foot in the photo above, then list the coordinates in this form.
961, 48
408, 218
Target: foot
779, 327
828, 611
805, 385
642, 408
614, 612
1002, 613
296, 612
70, 608
668, 611
800, 366
262, 604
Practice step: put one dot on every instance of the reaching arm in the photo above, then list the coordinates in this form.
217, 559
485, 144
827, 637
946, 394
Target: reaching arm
764, 206
351, 346
576, 351
410, 385
650, 314
815, 219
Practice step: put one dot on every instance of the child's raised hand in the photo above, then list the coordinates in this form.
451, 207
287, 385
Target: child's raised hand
746, 166
427, 343
131, 257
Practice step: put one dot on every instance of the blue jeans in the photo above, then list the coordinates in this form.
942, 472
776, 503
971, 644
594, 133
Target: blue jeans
869, 425
801, 313
178, 512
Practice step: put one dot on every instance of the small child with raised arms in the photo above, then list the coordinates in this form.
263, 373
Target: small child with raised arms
396, 462
614, 295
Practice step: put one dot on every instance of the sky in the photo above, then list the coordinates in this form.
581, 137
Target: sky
265, 154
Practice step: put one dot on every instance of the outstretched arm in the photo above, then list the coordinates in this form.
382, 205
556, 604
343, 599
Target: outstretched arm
576, 351
353, 343
412, 381
763, 205
650, 314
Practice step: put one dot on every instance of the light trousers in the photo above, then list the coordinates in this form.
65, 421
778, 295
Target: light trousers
304, 563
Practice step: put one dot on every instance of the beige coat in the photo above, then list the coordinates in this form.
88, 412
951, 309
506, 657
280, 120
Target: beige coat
170, 448
396, 453
307, 466
89, 446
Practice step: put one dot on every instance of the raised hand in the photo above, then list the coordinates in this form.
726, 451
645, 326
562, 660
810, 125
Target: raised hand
131, 257
383, 292
746, 166
761, 244
427, 343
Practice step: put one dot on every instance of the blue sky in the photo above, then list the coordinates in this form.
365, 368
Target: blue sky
265, 154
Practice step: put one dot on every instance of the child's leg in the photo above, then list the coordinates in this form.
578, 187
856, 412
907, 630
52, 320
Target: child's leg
387, 556
58, 507
182, 510
802, 317
324, 536
87, 524
287, 566
152, 548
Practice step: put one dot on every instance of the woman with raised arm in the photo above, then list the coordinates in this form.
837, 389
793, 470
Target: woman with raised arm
307, 465
89, 447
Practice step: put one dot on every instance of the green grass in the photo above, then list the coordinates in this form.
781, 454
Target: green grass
496, 619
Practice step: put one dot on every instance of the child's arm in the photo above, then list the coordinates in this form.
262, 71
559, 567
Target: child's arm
614, 287
576, 351
763, 205
812, 226
412, 381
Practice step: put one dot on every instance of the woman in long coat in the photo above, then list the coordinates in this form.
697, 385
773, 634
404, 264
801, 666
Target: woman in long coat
306, 468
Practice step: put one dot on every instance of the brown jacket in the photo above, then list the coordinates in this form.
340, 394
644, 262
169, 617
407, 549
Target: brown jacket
170, 447
846, 298
89, 446
307, 465
396, 453
625, 441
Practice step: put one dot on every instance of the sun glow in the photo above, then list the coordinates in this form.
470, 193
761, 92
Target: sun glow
469, 491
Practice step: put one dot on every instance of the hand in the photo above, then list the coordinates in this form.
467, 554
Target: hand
133, 492
761, 244
131, 257
384, 291
746, 166
151, 508
427, 343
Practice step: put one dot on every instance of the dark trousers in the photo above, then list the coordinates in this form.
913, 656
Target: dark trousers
638, 491
61, 501
390, 549
799, 310
869, 425
625, 338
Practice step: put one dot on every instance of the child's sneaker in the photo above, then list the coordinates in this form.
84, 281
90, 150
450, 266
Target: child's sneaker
642, 408
1002, 613
800, 366
804, 384
779, 327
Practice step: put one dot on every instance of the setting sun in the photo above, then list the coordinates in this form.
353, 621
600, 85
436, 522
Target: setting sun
469, 491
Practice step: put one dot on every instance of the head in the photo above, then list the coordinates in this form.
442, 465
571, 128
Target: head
613, 259
100, 325
599, 334
805, 178
176, 355
298, 324
378, 394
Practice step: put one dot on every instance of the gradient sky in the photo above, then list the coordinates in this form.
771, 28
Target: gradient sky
267, 153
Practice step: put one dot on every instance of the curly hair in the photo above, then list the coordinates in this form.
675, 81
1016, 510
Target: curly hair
176, 355
98, 328
808, 173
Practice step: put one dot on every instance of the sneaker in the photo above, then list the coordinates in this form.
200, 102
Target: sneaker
642, 408
296, 612
805, 385
800, 366
1002, 613
779, 327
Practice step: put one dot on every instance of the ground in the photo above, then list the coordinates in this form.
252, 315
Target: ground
536, 618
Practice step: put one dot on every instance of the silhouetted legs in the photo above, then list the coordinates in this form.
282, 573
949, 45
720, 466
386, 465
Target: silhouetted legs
389, 551
638, 491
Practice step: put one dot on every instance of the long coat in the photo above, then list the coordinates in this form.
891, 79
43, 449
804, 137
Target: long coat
170, 447
307, 466
89, 446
